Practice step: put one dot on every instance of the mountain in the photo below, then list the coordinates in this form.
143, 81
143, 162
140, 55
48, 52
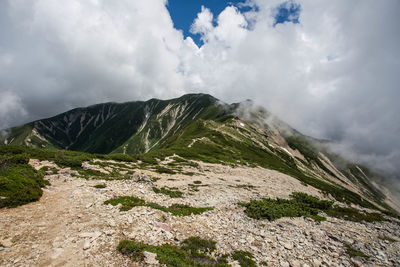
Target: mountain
200, 127
132, 127
189, 181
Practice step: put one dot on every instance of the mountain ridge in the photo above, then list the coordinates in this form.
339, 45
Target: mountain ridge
201, 127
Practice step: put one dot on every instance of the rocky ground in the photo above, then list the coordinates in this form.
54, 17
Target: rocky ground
71, 225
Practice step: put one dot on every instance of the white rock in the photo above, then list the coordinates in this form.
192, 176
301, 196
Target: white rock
150, 258
86, 245
288, 245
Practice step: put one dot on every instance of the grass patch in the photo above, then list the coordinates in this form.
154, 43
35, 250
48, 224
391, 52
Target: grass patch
354, 252
244, 258
305, 205
20, 183
94, 174
169, 192
192, 251
272, 209
301, 205
352, 214
161, 169
100, 186
312, 201
155, 179
129, 202
120, 157
180, 209
49, 170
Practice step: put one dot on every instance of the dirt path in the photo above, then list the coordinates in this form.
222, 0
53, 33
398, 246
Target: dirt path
53, 231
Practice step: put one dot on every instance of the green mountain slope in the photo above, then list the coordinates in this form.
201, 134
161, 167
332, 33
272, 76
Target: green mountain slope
132, 127
200, 127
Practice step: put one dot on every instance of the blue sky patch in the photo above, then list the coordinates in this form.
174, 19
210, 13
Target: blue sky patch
288, 12
184, 12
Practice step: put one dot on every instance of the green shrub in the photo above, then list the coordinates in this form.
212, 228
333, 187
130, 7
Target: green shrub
169, 192
354, 252
72, 162
20, 183
161, 169
193, 251
100, 186
307, 206
120, 157
311, 201
198, 245
244, 258
126, 202
352, 214
133, 249
180, 209
17, 159
175, 209
273, 209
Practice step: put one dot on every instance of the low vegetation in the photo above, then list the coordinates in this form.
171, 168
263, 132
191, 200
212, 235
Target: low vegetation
352, 214
301, 205
192, 251
49, 170
161, 169
19, 182
352, 252
223, 149
129, 202
100, 186
305, 205
171, 192
244, 258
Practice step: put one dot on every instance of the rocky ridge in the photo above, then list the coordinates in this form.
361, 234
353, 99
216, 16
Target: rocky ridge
71, 225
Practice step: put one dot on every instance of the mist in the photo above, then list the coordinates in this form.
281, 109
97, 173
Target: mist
333, 75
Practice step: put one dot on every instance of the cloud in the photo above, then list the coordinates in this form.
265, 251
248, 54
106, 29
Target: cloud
11, 108
203, 24
333, 75
88, 52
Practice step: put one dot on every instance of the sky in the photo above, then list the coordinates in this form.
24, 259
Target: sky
328, 68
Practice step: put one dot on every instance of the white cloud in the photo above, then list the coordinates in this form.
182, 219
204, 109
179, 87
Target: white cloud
11, 108
203, 24
333, 75
90, 52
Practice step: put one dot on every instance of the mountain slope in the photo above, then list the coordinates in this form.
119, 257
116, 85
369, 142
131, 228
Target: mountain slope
199, 127
132, 127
